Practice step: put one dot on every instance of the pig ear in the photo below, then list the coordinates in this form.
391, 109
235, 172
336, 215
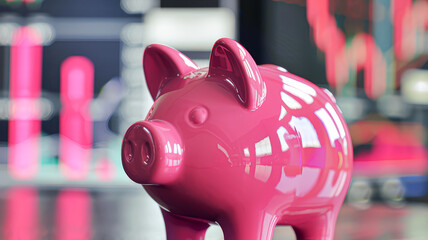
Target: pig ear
163, 65
231, 63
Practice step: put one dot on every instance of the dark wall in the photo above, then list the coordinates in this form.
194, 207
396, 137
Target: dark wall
278, 33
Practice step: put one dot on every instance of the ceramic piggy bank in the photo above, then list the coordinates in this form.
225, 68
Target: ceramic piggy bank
244, 146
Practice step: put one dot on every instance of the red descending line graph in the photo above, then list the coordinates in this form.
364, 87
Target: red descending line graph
345, 57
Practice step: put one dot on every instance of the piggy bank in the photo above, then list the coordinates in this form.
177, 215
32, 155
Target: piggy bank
240, 145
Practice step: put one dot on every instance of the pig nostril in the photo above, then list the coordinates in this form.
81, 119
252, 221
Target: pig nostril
129, 151
146, 153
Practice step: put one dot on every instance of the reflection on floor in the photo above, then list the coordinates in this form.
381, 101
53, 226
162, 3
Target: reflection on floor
82, 214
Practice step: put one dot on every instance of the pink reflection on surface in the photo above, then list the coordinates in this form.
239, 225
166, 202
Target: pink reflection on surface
77, 84
24, 92
21, 215
395, 149
73, 215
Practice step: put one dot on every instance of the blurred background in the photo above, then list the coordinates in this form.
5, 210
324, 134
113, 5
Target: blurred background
71, 83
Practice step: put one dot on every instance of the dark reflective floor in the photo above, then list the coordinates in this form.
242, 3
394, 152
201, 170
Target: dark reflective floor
107, 213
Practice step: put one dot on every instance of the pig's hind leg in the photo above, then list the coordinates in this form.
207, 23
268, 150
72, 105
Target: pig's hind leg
319, 227
178, 227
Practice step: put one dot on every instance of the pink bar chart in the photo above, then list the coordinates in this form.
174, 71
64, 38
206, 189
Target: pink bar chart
25, 91
75, 124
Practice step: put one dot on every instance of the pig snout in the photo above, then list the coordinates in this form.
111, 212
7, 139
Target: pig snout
152, 152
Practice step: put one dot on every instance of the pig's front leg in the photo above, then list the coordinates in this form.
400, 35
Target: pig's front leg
179, 228
248, 225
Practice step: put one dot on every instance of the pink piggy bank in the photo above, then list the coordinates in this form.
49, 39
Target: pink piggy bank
244, 146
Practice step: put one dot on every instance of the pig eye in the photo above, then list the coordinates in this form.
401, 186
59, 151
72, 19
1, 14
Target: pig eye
198, 115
